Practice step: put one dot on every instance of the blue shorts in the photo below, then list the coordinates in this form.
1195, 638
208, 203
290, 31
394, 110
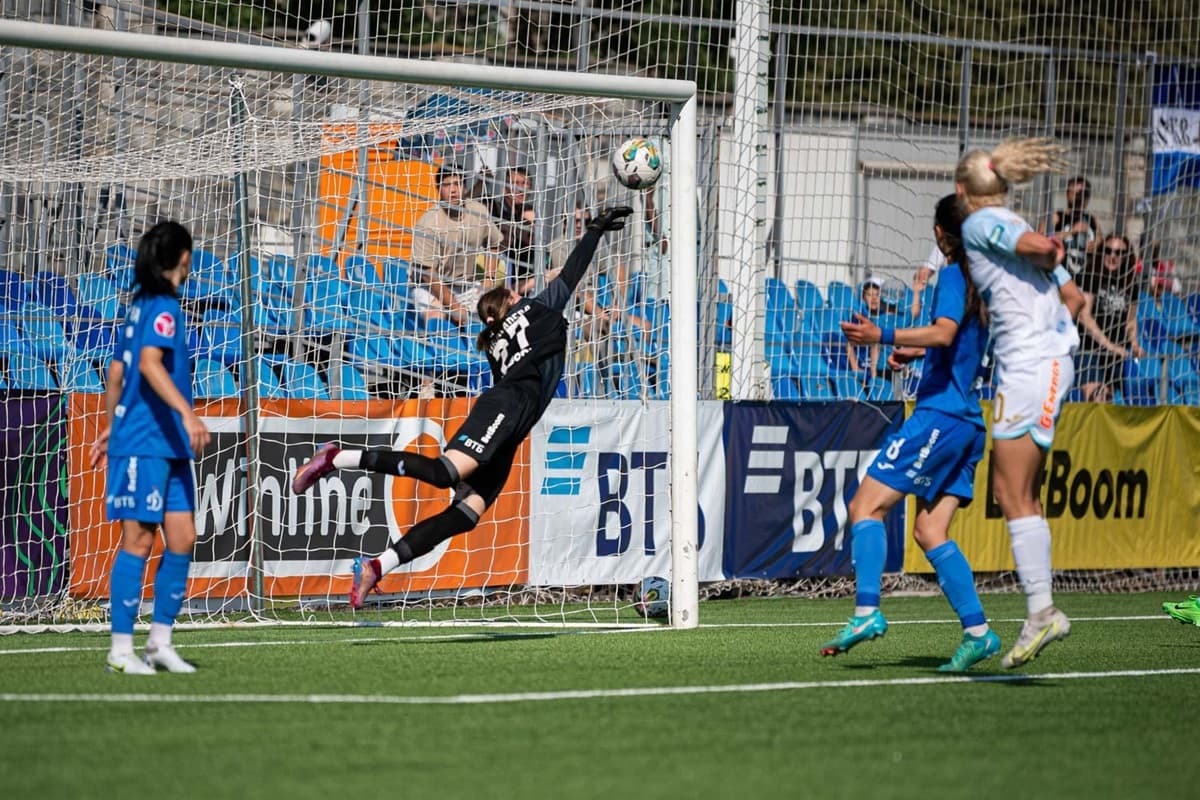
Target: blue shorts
143, 488
931, 455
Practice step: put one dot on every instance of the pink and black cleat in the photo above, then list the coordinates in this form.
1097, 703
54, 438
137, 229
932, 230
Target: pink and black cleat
320, 465
366, 575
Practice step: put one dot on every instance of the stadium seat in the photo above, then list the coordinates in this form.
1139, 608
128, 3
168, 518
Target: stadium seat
80, 376
29, 372
880, 391
321, 266
94, 339
395, 272
269, 386
1142, 377
724, 333
11, 340
210, 281
43, 333
278, 268
54, 292
841, 296
118, 263
808, 296
362, 271
849, 385
13, 292
212, 380
1186, 390
221, 337
302, 381
328, 305
101, 296
354, 387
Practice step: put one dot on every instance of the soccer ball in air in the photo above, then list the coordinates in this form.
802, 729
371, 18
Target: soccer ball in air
637, 163
653, 597
318, 34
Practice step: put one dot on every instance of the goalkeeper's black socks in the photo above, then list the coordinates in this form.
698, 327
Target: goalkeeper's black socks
439, 472
429, 533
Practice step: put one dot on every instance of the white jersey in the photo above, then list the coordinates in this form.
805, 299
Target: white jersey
1029, 322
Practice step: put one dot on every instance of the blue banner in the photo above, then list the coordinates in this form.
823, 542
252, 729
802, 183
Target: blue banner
791, 471
1176, 127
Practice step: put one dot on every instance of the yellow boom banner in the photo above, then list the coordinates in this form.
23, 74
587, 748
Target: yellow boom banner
1120, 490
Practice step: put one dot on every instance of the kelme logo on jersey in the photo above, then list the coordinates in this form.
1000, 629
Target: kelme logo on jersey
164, 324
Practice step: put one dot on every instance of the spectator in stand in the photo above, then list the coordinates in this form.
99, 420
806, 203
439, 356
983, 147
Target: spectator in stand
872, 309
1109, 319
455, 253
1075, 225
515, 217
921, 278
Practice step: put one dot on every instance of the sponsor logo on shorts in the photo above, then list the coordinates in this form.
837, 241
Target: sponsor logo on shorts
1051, 403
131, 473
164, 324
923, 454
491, 429
154, 501
470, 443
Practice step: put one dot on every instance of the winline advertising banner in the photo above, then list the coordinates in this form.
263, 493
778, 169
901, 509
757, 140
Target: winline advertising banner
1119, 490
309, 542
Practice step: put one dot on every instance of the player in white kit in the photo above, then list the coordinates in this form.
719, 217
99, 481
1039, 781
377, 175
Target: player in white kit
1031, 301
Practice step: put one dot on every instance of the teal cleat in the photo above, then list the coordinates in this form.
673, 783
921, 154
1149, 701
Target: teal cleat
858, 629
1187, 612
971, 651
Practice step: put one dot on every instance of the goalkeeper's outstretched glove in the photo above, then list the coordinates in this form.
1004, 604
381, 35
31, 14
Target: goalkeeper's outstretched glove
610, 219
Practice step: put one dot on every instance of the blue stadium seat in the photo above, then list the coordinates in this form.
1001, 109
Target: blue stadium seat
44, 334
278, 268
1142, 378
221, 337
1193, 306
211, 281
118, 264
362, 271
269, 386
29, 372
54, 292
11, 340
724, 334
321, 266
80, 376
1185, 390
302, 381
808, 296
849, 385
841, 296
212, 380
354, 387
101, 296
880, 391
328, 304
395, 272
95, 339
13, 292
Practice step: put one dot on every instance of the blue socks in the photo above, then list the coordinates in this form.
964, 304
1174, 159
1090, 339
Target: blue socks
957, 582
170, 585
868, 549
125, 591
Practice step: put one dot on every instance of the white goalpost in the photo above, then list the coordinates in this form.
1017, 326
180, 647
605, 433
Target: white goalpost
305, 176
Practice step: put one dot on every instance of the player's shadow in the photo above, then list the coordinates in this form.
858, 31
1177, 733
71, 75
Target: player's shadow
465, 638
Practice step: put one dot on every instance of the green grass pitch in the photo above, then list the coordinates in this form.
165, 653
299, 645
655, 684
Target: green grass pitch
534, 713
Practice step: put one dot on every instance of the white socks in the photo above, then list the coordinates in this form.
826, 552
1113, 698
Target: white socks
977, 630
1031, 552
122, 644
160, 636
862, 611
348, 459
388, 561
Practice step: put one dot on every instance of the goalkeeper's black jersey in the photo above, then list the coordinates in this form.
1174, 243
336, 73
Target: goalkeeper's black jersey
527, 353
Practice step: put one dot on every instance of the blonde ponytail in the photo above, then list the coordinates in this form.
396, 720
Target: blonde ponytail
986, 177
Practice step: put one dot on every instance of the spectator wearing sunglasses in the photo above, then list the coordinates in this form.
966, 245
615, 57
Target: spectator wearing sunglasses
1108, 322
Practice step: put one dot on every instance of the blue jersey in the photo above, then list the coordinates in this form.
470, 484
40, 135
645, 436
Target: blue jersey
144, 425
948, 379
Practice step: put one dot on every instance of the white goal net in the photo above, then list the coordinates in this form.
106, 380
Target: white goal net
327, 213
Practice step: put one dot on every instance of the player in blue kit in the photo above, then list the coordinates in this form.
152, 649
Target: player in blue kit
933, 456
152, 436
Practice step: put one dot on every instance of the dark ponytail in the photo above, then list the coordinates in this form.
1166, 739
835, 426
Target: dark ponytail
159, 250
949, 215
492, 306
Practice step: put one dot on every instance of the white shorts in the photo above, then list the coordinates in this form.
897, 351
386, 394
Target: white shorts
1029, 398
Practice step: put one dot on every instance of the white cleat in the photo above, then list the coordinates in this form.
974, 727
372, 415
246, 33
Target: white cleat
1037, 632
168, 659
129, 664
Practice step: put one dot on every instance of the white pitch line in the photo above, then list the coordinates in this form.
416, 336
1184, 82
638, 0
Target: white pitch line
483, 635
578, 694
439, 637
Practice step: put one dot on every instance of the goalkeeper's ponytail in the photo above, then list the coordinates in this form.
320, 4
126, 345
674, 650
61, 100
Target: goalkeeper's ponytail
492, 307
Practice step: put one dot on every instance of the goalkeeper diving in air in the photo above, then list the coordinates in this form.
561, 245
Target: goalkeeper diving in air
525, 340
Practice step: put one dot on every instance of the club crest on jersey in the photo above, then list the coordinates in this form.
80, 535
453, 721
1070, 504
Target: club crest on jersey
996, 235
164, 324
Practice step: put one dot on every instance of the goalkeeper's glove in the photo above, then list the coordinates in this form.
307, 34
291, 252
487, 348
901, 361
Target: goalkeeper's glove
610, 219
